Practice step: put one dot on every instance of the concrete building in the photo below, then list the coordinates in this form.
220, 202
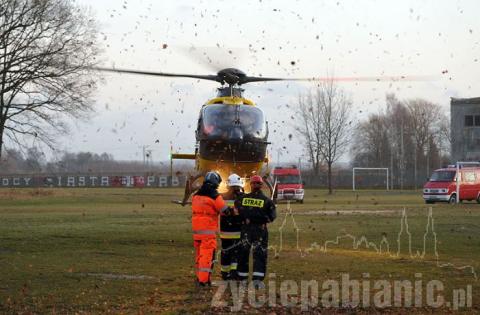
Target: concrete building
465, 129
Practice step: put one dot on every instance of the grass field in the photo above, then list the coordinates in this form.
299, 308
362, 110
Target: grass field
130, 251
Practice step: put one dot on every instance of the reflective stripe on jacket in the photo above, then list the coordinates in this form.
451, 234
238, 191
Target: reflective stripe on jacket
230, 235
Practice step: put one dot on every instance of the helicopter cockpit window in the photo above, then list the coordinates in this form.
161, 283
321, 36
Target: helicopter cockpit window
233, 122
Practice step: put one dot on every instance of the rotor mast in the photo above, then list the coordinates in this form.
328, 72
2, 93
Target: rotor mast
233, 77
230, 91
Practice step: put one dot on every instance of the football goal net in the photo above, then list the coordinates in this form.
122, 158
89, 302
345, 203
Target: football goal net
370, 177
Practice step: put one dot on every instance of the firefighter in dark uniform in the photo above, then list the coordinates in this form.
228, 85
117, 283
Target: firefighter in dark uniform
256, 211
230, 229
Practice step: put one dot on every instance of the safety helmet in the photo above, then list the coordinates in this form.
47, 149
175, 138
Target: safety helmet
234, 181
213, 178
256, 179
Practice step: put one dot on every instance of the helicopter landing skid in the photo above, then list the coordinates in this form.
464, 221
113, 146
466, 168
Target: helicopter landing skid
189, 190
180, 202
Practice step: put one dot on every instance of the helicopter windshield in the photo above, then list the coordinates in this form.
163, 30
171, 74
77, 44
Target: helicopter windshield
233, 123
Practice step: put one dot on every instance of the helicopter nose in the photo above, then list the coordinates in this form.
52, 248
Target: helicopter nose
236, 135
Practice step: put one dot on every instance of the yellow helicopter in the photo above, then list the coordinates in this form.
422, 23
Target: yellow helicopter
232, 132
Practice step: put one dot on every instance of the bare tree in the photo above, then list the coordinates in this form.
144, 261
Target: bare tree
309, 128
325, 129
371, 146
35, 159
414, 131
426, 118
334, 116
46, 50
445, 135
399, 134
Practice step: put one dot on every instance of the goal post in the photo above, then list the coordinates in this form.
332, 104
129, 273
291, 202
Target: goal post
369, 168
458, 179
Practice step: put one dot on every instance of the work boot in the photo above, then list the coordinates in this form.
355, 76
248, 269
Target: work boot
243, 284
258, 284
234, 276
201, 285
226, 276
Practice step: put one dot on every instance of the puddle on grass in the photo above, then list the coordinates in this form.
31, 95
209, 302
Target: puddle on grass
113, 276
6, 251
349, 212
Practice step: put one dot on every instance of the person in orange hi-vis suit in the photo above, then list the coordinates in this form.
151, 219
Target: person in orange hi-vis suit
207, 205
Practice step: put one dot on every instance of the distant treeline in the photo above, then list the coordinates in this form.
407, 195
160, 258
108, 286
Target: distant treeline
410, 137
34, 161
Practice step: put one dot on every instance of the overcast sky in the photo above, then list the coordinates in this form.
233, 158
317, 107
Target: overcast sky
271, 38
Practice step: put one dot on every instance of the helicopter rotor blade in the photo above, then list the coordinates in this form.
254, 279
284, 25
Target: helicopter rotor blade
161, 74
261, 79
249, 79
234, 76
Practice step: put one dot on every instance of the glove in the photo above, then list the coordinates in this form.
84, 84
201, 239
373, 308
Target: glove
229, 211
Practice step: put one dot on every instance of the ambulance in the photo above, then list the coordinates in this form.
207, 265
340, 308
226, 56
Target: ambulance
442, 185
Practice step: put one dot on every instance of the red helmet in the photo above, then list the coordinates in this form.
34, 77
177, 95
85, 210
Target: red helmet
256, 179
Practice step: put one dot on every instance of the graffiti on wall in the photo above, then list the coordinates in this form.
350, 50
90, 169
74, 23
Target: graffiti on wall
148, 181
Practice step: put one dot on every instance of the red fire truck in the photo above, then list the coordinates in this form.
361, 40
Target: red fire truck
289, 183
442, 185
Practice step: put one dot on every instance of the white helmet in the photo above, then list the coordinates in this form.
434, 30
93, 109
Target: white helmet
234, 180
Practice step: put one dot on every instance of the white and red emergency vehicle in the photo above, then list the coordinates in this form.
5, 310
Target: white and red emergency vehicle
442, 184
289, 183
